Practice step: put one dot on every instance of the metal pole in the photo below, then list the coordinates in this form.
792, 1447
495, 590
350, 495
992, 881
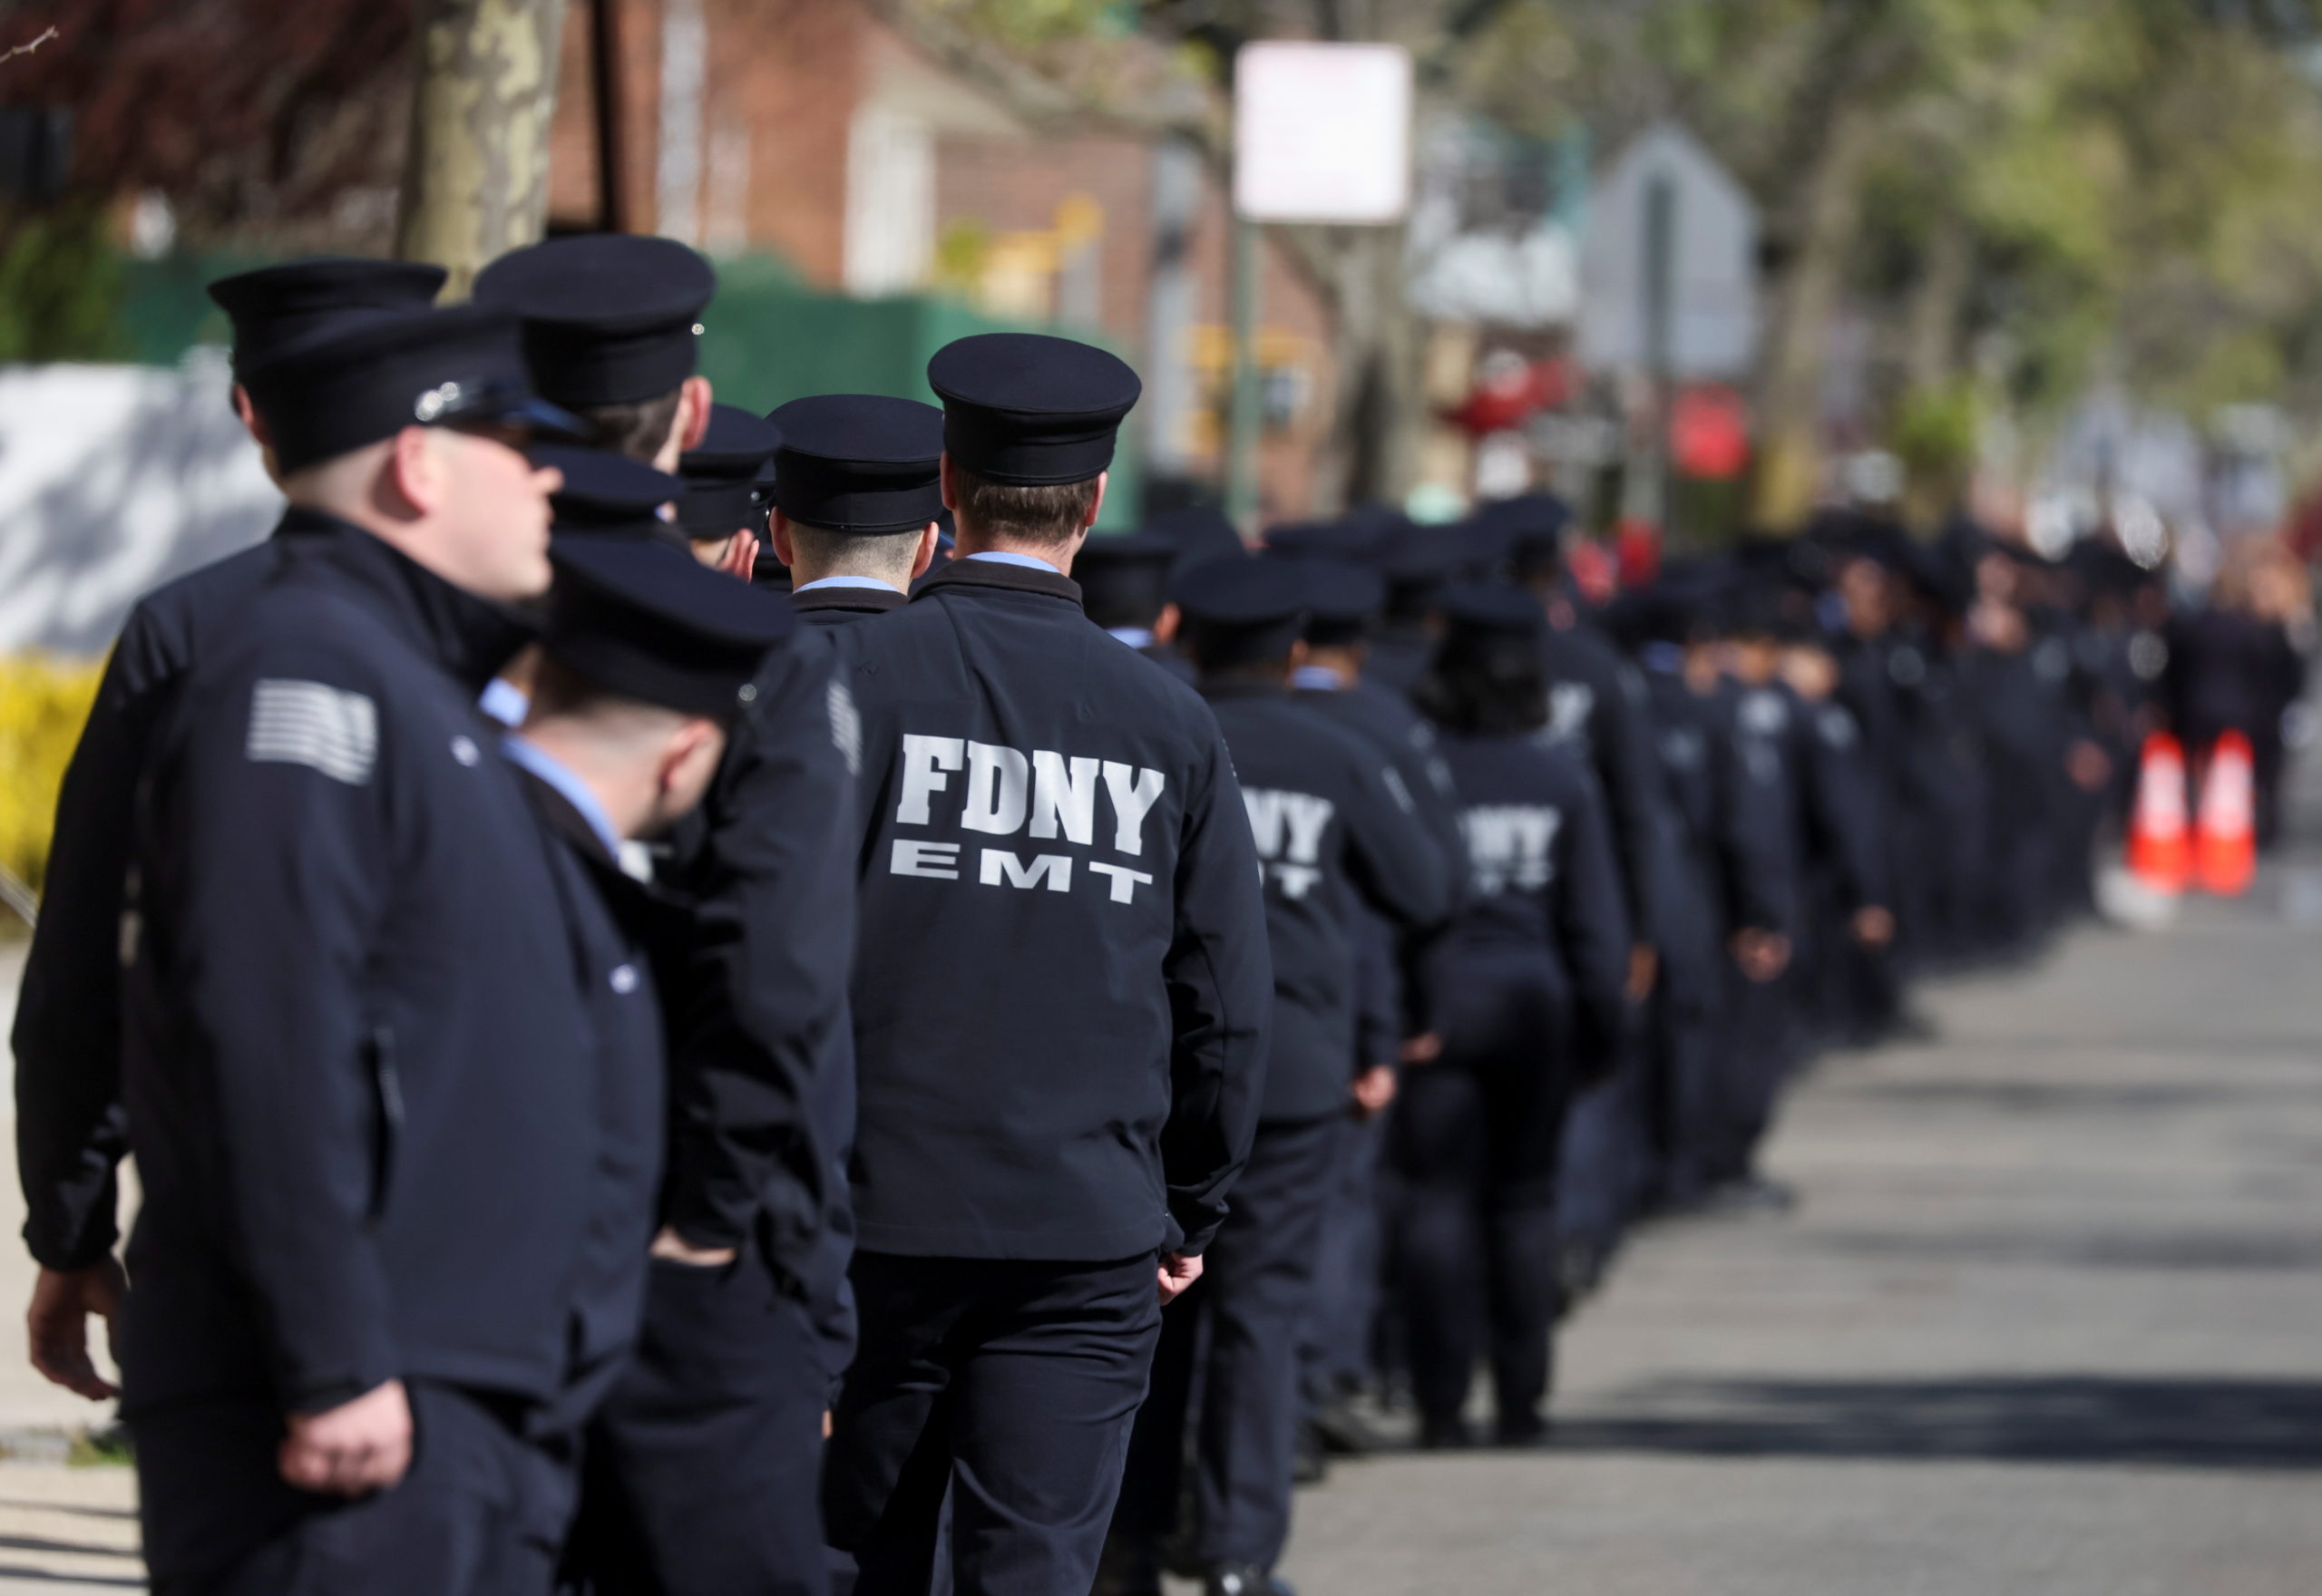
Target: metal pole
1242, 435
1660, 297
605, 71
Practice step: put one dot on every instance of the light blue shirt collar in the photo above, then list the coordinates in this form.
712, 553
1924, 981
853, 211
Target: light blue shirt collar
1318, 678
570, 787
1135, 637
504, 702
846, 581
1004, 557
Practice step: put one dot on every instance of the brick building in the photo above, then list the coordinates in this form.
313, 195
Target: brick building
811, 131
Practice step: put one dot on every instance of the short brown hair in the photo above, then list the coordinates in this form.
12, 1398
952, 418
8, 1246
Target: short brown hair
1048, 514
637, 430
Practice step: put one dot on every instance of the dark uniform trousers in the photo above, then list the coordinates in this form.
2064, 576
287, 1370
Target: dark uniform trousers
1007, 1385
1229, 1352
1335, 1351
702, 1464
1475, 1142
479, 1513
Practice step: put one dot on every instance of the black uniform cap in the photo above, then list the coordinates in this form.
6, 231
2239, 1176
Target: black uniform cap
1201, 533
609, 493
646, 620
1417, 561
1125, 579
1029, 410
608, 318
1342, 601
1474, 609
1321, 540
859, 462
276, 307
1526, 529
356, 385
727, 473
1238, 610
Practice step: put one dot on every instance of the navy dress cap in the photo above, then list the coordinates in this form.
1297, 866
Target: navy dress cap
1476, 609
1424, 556
1125, 579
278, 305
1029, 410
727, 473
859, 462
608, 493
1342, 601
1241, 610
339, 391
608, 318
1200, 532
646, 620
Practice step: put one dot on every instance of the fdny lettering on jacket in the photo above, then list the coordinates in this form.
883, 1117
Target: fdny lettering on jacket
1510, 845
958, 784
1288, 829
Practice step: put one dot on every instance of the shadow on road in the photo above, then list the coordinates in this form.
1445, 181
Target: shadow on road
2221, 1423
2078, 1250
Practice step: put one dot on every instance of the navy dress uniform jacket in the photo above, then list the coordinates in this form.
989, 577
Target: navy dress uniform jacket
1333, 821
358, 1067
70, 1129
1062, 995
1596, 700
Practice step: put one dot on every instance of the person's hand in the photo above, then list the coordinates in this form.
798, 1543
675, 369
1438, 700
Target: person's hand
1177, 1272
1423, 1049
353, 1449
58, 1321
1373, 1089
1644, 969
2089, 765
741, 556
1762, 954
672, 1248
1874, 926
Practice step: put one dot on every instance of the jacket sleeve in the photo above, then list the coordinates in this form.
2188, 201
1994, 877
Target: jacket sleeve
71, 1133
272, 849
1220, 978
1753, 823
1847, 810
1622, 742
1592, 928
1395, 862
762, 1005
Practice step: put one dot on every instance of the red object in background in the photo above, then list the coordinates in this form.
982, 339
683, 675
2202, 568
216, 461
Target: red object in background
2225, 835
2159, 854
1510, 395
1593, 571
1636, 553
1709, 433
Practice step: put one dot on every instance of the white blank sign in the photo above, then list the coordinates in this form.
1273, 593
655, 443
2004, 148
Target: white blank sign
1322, 133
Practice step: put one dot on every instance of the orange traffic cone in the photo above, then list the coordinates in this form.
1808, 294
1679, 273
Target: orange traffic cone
2158, 851
2225, 845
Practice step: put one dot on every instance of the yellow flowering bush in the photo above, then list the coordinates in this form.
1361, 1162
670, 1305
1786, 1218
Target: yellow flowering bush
43, 703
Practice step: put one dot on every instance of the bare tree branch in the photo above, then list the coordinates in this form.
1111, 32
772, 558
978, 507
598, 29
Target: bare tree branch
27, 49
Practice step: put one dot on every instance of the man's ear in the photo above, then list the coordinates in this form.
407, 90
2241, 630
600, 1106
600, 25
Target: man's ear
925, 557
946, 476
1300, 654
693, 413
417, 472
1095, 500
1166, 624
785, 549
252, 423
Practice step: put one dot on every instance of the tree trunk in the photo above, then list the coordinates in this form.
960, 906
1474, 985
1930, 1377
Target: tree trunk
475, 183
1938, 300
1377, 416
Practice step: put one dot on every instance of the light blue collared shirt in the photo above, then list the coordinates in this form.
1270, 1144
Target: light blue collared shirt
570, 787
1319, 678
1135, 637
844, 581
504, 702
1029, 562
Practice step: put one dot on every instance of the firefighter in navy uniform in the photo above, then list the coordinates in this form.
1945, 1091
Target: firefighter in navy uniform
1333, 823
1526, 997
1124, 588
723, 511
354, 1023
855, 501
1061, 1010
67, 1037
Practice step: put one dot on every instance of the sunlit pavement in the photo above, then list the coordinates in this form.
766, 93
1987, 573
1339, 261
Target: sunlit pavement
2046, 1318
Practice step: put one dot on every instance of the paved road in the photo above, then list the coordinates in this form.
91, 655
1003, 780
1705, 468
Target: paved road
2047, 1318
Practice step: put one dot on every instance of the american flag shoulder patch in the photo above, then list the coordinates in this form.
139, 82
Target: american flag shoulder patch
324, 728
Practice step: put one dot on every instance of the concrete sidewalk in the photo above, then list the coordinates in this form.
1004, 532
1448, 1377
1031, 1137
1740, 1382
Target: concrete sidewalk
2044, 1320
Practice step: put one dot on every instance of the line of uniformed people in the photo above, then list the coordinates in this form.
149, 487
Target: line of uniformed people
583, 1042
